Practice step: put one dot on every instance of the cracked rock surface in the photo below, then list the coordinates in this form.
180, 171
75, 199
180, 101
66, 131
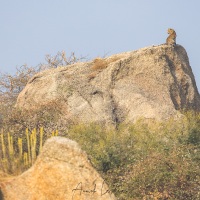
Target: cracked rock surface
62, 171
153, 82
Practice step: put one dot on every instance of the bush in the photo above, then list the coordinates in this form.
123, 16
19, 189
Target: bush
144, 161
194, 136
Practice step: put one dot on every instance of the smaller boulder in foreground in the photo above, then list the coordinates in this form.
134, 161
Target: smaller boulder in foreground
61, 172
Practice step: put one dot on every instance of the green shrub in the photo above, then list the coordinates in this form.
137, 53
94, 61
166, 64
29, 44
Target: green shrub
194, 136
145, 161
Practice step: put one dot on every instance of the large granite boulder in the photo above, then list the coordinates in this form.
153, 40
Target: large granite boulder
154, 82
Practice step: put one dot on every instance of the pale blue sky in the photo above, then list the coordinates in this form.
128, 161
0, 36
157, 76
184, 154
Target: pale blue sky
31, 29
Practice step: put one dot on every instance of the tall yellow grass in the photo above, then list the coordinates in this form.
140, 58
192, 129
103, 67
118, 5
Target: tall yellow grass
17, 156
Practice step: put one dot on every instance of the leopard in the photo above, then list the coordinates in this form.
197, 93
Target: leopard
171, 39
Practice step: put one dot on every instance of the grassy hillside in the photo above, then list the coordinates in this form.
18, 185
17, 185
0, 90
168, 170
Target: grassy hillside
141, 161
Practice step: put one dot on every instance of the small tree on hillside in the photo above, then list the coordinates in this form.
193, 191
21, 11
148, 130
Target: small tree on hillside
12, 85
60, 59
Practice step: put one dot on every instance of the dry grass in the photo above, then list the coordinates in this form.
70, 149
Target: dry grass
100, 63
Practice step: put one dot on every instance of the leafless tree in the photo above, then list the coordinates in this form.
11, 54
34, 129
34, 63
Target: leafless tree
12, 84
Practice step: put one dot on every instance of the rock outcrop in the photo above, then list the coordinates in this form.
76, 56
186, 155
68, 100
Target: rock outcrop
154, 82
62, 171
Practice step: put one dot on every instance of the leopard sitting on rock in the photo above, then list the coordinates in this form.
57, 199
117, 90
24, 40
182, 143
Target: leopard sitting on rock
171, 39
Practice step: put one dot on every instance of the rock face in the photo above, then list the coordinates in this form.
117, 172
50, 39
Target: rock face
154, 82
61, 172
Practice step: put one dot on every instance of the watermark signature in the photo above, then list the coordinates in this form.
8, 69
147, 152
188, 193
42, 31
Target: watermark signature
80, 189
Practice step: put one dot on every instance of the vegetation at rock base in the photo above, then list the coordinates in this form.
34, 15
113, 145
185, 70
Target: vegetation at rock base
141, 161
146, 161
